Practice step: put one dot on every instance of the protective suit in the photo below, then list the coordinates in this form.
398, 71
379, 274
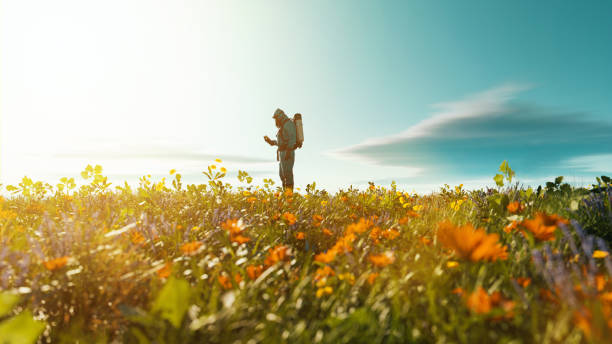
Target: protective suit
285, 154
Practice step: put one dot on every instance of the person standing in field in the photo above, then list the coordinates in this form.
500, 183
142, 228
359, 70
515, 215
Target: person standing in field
286, 142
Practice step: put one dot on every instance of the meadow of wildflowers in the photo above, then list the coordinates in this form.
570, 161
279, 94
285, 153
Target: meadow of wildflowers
165, 262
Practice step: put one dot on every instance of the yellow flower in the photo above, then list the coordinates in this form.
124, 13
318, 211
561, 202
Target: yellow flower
323, 203
213, 166
600, 254
456, 205
452, 264
218, 160
172, 171
195, 228
324, 291
223, 169
245, 193
349, 277
417, 207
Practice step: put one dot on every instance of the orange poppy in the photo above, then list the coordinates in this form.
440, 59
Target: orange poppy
470, 243
191, 248
56, 263
326, 257
372, 277
544, 226
382, 260
225, 281
515, 207
290, 218
277, 254
254, 271
165, 270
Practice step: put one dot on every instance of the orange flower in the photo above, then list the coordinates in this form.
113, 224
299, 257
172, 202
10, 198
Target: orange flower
233, 226
323, 272
326, 257
359, 227
136, 238
240, 239
165, 270
390, 234
372, 277
56, 263
413, 214
327, 232
276, 254
511, 227
238, 277
316, 220
382, 260
523, 281
290, 218
457, 290
191, 247
254, 271
225, 281
300, 235
470, 243
543, 227
515, 207
482, 303
374, 234
425, 240
345, 243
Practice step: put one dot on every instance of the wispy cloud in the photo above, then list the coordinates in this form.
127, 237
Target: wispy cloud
105, 150
470, 137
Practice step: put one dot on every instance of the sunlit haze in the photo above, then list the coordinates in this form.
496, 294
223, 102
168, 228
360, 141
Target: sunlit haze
416, 92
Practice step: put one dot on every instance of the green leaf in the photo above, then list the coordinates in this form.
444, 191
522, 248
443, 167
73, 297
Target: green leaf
499, 179
21, 329
7, 302
558, 180
172, 301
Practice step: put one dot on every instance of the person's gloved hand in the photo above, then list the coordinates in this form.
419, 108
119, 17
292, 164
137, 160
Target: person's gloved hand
267, 139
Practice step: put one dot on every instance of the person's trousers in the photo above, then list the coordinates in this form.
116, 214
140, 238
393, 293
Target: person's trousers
285, 170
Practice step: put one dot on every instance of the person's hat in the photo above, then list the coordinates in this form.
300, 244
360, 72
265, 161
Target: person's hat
277, 113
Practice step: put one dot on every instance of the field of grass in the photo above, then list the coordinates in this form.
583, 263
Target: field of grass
217, 263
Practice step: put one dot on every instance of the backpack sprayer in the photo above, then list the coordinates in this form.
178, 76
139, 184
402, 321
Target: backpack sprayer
299, 130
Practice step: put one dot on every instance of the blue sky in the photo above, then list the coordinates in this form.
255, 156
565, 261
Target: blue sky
420, 92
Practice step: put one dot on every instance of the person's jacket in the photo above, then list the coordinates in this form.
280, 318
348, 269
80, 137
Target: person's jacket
285, 137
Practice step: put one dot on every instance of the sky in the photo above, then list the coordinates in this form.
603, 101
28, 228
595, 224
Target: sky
418, 92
